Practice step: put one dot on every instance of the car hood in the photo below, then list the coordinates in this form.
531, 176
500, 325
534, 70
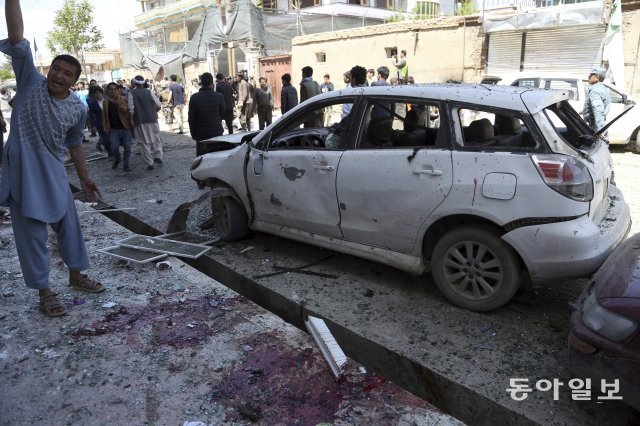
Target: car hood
619, 276
235, 138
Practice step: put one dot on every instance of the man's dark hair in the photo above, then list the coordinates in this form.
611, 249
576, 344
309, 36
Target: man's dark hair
94, 89
384, 72
286, 78
219, 76
206, 79
70, 60
404, 52
307, 71
327, 76
174, 77
359, 74
111, 84
371, 70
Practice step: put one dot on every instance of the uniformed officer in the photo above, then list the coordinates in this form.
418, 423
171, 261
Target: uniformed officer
596, 105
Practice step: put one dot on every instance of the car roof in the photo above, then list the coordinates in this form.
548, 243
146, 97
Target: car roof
509, 97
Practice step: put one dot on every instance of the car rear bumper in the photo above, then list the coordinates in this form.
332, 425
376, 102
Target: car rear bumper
573, 248
587, 359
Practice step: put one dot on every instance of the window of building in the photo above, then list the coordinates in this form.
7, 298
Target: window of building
301, 4
427, 9
269, 4
321, 57
390, 51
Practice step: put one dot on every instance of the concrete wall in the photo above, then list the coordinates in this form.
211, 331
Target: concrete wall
631, 42
448, 48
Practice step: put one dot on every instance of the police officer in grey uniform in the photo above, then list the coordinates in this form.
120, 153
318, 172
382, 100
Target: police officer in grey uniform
596, 105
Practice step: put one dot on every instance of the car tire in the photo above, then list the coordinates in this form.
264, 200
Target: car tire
482, 286
634, 145
230, 218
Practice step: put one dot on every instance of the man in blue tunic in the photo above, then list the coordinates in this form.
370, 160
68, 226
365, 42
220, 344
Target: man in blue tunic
46, 123
597, 102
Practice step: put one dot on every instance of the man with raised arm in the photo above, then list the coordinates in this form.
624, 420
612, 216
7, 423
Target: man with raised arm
46, 123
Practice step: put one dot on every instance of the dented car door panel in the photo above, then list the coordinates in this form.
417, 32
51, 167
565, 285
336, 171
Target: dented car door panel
368, 186
296, 188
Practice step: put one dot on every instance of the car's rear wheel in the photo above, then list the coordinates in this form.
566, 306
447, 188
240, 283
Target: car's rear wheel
475, 269
230, 218
635, 144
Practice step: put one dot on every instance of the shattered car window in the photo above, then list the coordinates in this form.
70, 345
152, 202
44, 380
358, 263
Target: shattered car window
400, 124
568, 124
321, 127
495, 130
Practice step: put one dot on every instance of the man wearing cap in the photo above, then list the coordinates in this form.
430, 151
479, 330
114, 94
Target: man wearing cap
596, 105
143, 109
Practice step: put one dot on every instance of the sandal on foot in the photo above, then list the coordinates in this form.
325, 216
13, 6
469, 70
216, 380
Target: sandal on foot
51, 307
86, 284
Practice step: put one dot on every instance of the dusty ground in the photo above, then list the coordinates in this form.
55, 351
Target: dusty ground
168, 347
405, 314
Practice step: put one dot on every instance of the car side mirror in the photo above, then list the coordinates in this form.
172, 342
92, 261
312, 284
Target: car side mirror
625, 99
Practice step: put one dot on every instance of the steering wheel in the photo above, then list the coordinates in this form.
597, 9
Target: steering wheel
312, 141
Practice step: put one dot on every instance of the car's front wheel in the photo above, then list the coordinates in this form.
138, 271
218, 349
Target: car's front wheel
230, 218
475, 269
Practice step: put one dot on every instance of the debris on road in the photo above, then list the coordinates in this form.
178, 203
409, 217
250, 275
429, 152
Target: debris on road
164, 265
330, 349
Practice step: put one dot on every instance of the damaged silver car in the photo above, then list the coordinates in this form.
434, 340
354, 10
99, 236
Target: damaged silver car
481, 185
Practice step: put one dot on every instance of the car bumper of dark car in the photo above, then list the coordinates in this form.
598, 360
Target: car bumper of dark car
593, 356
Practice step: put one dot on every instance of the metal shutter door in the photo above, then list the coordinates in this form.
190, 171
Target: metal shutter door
571, 49
504, 52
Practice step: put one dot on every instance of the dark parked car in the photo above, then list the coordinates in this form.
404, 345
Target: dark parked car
604, 342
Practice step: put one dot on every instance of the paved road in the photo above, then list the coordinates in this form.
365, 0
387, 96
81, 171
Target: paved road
627, 175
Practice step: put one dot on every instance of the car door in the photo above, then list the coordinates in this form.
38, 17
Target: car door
291, 177
621, 130
396, 175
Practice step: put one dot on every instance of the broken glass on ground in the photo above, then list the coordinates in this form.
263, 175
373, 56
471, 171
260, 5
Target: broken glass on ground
133, 255
164, 245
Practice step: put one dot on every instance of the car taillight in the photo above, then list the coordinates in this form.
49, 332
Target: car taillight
566, 175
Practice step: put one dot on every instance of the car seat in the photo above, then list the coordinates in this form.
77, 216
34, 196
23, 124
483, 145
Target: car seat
508, 131
480, 133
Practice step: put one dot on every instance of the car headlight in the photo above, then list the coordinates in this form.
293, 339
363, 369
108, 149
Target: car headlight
603, 321
195, 163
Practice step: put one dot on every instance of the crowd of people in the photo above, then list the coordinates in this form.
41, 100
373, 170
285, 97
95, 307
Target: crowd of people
122, 112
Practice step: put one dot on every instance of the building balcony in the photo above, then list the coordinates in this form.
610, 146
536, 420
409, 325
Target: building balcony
170, 13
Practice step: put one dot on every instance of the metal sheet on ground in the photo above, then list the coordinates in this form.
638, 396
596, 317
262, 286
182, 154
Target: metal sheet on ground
163, 245
89, 158
190, 237
133, 255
